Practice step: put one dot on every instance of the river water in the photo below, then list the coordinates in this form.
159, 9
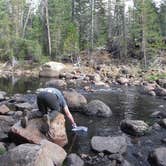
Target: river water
125, 102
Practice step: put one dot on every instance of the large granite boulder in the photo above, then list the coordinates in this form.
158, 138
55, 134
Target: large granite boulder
117, 144
43, 154
97, 108
158, 157
51, 69
134, 127
32, 133
5, 124
74, 99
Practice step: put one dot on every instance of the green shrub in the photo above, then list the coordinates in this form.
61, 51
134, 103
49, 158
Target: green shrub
2, 151
156, 76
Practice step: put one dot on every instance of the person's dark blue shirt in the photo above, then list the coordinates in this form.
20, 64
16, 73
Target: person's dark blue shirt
57, 93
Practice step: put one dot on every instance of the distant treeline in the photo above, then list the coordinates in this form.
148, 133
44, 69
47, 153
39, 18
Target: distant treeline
55, 29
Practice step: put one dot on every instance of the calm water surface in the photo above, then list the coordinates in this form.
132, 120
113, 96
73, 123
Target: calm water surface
125, 102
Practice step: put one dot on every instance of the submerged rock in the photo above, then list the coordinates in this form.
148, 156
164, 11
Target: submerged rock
33, 134
98, 108
158, 157
117, 144
44, 154
134, 127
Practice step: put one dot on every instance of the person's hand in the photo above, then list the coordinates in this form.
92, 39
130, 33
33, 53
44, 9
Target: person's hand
74, 125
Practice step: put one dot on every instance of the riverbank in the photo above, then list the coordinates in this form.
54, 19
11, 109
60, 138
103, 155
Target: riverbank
100, 71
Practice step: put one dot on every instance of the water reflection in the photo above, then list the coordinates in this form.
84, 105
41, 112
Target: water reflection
13, 84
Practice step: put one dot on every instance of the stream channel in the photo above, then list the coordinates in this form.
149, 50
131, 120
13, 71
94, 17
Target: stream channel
124, 101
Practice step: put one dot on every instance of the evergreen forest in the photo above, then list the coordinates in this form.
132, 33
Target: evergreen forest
61, 29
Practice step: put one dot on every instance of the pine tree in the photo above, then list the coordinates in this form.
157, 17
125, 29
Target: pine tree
162, 18
145, 29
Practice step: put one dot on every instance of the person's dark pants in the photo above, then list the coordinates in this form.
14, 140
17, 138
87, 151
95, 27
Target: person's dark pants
48, 103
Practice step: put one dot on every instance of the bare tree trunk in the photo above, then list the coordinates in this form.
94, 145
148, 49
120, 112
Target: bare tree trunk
26, 21
48, 27
109, 20
124, 32
73, 10
92, 24
143, 49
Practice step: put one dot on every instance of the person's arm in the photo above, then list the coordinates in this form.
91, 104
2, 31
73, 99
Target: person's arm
69, 115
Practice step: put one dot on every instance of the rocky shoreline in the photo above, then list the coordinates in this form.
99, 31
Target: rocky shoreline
33, 149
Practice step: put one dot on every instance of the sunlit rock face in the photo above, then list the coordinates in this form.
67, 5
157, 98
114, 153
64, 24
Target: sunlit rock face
51, 69
32, 133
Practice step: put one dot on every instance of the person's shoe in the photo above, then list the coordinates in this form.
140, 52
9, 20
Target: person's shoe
24, 121
46, 125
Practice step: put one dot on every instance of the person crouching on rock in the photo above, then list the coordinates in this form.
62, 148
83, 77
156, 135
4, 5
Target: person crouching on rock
50, 101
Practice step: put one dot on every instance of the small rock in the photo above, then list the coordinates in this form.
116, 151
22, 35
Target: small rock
4, 109
163, 140
156, 126
18, 113
158, 157
118, 157
11, 146
22, 106
74, 160
162, 123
